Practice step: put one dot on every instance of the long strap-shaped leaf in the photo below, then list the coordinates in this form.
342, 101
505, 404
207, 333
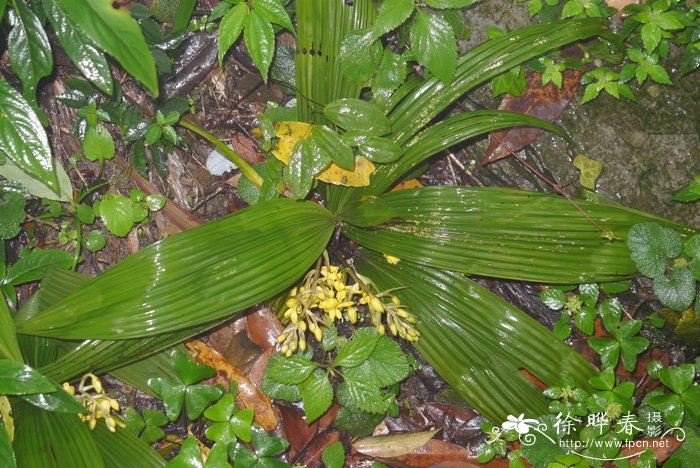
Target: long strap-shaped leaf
434, 139
477, 341
506, 234
423, 103
196, 277
485, 62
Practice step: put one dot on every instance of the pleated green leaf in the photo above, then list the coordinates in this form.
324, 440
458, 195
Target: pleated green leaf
197, 277
9, 348
506, 233
43, 438
123, 448
477, 341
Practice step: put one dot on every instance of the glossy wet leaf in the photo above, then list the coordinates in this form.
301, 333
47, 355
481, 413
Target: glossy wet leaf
553, 298
386, 365
678, 379
335, 149
677, 291
359, 177
274, 12
267, 445
118, 34
23, 139
503, 233
433, 42
172, 393
360, 55
189, 455
357, 115
380, 150
117, 214
37, 187
671, 405
78, 47
230, 27
392, 13
28, 49
466, 330
333, 456
58, 401
260, 41
391, 73
19, 379
650, 245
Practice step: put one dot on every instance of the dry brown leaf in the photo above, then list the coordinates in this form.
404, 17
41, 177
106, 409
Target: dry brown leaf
264, 328
249, 395
407, 184
296, 431
438, 452
311, 456
544, 102
393, 445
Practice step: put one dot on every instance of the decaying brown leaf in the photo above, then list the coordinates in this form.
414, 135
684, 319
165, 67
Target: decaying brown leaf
544, 102
393, 445
249, 395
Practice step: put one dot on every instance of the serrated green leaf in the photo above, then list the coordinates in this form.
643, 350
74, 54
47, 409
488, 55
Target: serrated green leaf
356, 351
230, 28
434, 43
23, 139
19, 379
317, 395
260, 41
290, 370
357, 115
385, 366
274, 12
650, 245
333, 455
392, 14
98, 144
365, 397
391, 72
553, 298
678, 291
118, 34
585, 320
233, 251
78, 47
358, 55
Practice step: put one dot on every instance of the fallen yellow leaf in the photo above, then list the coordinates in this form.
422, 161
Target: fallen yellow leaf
590, 170
334, 174
288, 133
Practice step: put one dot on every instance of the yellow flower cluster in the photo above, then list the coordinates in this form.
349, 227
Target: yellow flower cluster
92, 396
325, 296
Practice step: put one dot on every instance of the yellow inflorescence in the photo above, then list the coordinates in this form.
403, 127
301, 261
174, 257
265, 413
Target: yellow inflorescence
329, 294
92, 396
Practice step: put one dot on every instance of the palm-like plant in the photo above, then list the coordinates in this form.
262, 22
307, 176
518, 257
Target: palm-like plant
186, 284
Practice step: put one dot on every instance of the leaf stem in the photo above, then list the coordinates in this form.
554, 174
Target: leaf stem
231, 155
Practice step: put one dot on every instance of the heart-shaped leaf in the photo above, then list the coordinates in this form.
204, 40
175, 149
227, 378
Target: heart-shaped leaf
172, 394
608, 349
678, 379
678, 291
190, 372
650, 245
198, 397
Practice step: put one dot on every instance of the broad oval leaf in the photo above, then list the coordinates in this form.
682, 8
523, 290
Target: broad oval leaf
196, 277
330, 143
28, 49
380, 150
505, 233
260, 41
19, 379
118, 34
357, 115
78, 47
23, 139
678, 291
650, 245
